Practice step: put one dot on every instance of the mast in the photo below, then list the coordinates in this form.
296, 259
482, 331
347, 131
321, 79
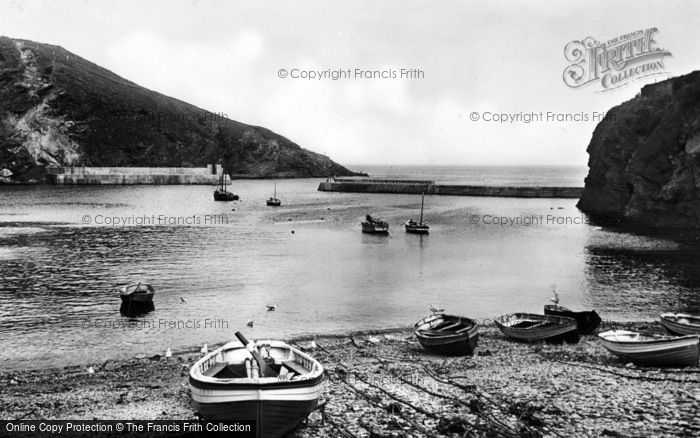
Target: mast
275, 196
421, 207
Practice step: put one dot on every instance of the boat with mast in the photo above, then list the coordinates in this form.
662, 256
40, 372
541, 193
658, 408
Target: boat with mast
221, 194
418, 227
273, 201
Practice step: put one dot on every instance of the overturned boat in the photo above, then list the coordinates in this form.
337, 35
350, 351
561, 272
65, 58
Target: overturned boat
269, 382
681, 323
530, 327
586, 320
447, 334
652, 350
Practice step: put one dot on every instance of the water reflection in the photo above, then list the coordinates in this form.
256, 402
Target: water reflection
643, 280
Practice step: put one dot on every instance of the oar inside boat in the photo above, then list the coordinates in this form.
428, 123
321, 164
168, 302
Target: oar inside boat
265, 370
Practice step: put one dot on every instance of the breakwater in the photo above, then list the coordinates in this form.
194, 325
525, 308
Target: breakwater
135, 175
369, 185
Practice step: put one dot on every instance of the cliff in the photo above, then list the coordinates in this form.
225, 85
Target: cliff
644, 159
57, 108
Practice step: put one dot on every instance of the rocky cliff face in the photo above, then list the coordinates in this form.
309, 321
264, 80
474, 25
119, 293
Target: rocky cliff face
644, 164
57, 108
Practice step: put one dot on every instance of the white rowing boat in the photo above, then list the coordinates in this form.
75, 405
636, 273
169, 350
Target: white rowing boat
269, 382
681, 323
652, 350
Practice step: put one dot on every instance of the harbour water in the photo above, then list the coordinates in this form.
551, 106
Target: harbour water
63, 251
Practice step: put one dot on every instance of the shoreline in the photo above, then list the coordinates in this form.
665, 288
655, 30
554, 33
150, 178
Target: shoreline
381, 382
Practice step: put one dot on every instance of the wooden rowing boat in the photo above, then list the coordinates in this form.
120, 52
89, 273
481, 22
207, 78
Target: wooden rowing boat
652, 350
270, 382
447, 334
681, 323
586, 321
530, 327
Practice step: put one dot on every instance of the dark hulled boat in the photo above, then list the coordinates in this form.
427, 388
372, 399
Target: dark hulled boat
530, 327
447, 334
374, 226
419, 227
221, 194
586, 321
681, 323
269, 382
274, 201
137, 299
652, 350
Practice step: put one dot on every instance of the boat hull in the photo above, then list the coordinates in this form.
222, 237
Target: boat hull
276, 413
132, 309
273, 202
661, 352
586, 321
137, 297
229, 384
451, 344
417, 229
530, 327
374, 228
225, 196
681, 323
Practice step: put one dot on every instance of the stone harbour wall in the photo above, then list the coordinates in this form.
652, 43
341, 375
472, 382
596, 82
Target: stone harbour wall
135, 175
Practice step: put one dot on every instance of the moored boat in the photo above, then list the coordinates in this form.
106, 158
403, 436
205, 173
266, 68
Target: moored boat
447, 334
586, 321
137, 293
652, 350
274, 201
270, 382
418, 227
681, 323
374, 226
530, 327
221, 194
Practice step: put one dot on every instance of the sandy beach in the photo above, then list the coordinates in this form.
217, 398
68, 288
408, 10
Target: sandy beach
382, 384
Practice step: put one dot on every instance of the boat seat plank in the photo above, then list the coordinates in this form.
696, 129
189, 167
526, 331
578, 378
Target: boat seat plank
215, 369
463, 329
441, 325
433, 333
294, 366
451, 326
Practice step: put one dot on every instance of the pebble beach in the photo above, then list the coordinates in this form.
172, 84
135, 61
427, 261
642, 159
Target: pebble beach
382, 384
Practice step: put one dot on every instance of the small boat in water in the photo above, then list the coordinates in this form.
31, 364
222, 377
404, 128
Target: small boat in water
270, 382
530, 327
447, 334
273, 201
652, 350
374, 226
681, 323
586, 321
221, 194
137, 293
419, 227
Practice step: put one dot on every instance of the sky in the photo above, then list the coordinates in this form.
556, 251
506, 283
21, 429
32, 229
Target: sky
475, 59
